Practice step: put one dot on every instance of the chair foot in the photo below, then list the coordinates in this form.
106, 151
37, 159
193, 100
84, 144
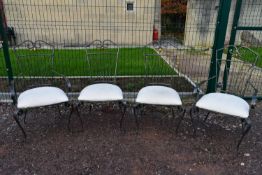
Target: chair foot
206, 117
25, 115
16, 118
246, 128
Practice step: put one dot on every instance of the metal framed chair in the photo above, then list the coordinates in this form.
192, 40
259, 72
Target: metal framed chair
101, 62
36, 87
233, 77
158, 91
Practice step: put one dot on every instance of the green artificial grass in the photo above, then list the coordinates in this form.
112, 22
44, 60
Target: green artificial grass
258, 50
73, 62
248, 56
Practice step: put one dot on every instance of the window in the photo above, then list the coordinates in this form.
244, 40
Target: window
130, 6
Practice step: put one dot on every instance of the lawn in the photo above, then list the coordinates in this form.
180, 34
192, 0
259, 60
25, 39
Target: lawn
73, 62
259, 51
250, 57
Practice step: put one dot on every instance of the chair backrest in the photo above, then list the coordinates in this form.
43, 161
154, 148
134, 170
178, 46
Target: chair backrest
256, 81
34, 63
34, 58
158, 63
102, 60
233, 75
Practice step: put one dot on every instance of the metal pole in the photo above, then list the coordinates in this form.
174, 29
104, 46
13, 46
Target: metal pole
3, 12
232, 42
3, 35
219, 40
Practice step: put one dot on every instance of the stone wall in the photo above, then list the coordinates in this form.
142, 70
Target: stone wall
251, 15
76, 22
200, 22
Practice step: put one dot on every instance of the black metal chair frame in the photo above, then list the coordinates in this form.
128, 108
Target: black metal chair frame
234, 51
103, 45
33, 46
139, 109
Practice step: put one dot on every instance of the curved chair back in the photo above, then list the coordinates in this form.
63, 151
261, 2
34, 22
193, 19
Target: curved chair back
234, 70
34, 58
256, 81
34, 65
102, 60
158, 63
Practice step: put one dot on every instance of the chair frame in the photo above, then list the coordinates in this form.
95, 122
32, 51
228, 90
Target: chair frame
139, 108
33, 46
98, 44
245, 122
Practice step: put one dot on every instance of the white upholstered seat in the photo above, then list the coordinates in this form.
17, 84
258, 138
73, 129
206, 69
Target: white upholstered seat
225, 104
101, 92
41, 96
158, 95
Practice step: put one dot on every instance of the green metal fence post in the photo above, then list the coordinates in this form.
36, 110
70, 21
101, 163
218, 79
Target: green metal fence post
219, 40
232, 41
3, 35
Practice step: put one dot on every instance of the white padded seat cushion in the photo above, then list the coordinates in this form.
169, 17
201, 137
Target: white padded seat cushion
225, 104
41, 96
101, 92
158, 95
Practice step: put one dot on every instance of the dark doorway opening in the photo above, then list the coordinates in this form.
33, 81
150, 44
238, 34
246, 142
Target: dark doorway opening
173, 19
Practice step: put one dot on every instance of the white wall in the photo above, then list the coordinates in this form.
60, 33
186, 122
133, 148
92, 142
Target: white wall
73, 22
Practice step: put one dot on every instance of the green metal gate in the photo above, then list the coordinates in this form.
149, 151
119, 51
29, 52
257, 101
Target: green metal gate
246, 30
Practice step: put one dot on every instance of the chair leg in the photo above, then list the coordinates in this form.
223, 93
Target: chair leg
136, 110
16, 118
59, 112
206, 117
90, 108
173, 116
123, 112
79, 117
246, 128
182, 116
69, 118
25, 115
74, 109
192, 120
173, 113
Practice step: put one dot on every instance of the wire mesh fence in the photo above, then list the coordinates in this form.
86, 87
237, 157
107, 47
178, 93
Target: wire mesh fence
249, 34
250, 19
188, 26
